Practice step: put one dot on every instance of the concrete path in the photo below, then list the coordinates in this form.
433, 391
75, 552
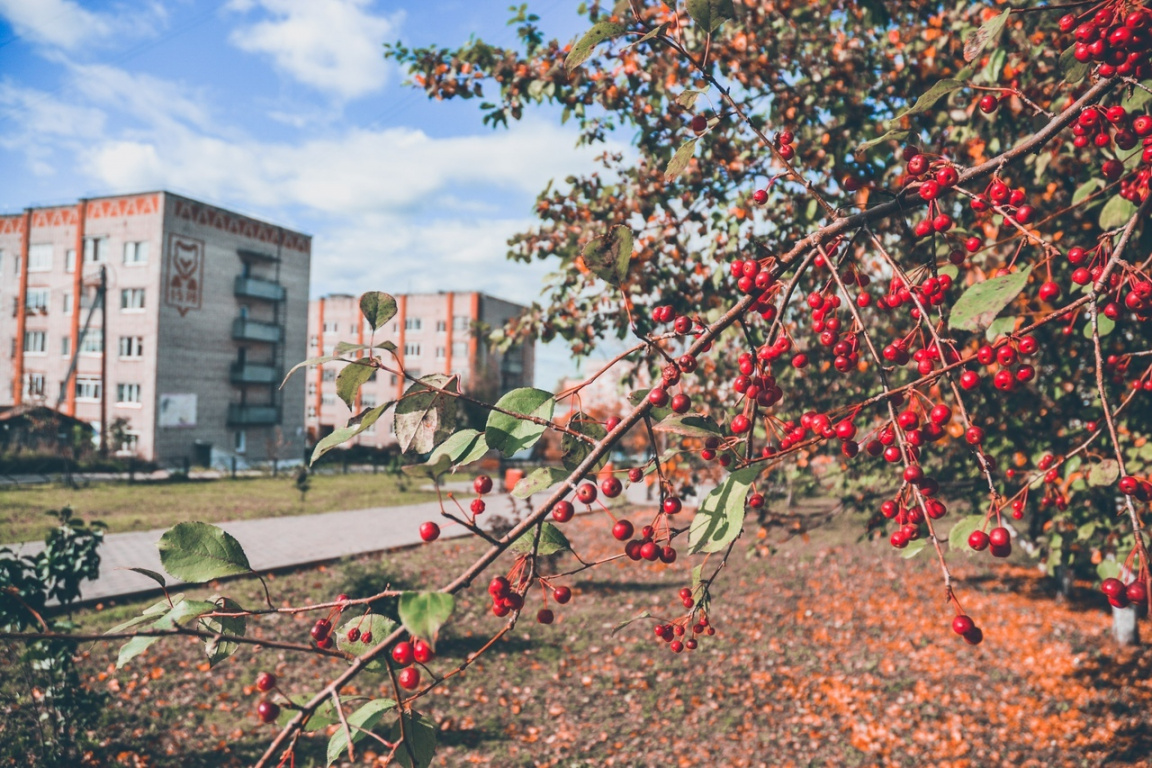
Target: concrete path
283, 542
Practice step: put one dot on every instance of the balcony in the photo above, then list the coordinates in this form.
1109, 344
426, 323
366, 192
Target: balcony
244, 329
252, 415
251, 373
255, 288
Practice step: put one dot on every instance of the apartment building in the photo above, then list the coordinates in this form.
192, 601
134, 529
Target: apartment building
203, 309
434, 333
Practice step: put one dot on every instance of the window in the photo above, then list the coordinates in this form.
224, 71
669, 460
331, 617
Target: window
412, 349
459, 349
136, 253
70, 260
92, 342
88, 388
37, 300
131, 299
461, 322
314, 342
40, 257
128, 394
35, 342
441, 326
311, 411
66, 304
131, 346
327, 400
392, 379
329, 375
129, 442
441, 353
95, 250
331, 327
240, 441
311, 389
34, 385
413, 324
65, 345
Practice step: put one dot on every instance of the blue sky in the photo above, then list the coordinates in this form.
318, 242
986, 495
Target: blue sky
286, 110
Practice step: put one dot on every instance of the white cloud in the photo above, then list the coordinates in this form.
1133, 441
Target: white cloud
60, 23
331, 45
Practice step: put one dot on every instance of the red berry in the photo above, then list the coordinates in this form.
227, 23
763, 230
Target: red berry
1113, 587
699, 124
545, 616
658, 396
611, 487
1138, 592
672, 505
962, 625
403, 653
586, 493
622, 530
409, 678
482, 484
563, 511
265, 681
422, 652
267, 711
429, 531
681, 403
999, 537
978, 540
562, 595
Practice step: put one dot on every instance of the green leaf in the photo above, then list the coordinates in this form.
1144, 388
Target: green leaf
538, 480
1084, 532
583, 48
965, 526
654, 32
350, 379
464, 447
989, 32
1104, 324
720, 517
217, 649
576, 450
981, 303
1108, 569
1116, 213
343, 348
914, 547
1073, 71
679, 160
1107, 472
551, 541
425, 418
344, 434
609, 256
421, 737
364, 719
710, 14
185, 609
890, 135
377, 308
134, 648
199, 552
658, 414
688, 425
509, 434
156, 577
1138, 98
307, 364
1086, 189
423, 613
626, 622
322, 717
378, 627
688, 98
1001, 326
929, 98
991, 72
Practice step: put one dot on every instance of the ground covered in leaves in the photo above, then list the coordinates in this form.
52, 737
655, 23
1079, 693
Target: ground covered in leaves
829, 652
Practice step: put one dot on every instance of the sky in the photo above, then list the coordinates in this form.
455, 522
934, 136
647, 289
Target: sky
287, 111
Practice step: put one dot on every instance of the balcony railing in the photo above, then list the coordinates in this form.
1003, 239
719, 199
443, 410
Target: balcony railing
255, 288
251, 373
252, 415
244, 329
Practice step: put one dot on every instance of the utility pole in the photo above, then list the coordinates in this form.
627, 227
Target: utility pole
103, 299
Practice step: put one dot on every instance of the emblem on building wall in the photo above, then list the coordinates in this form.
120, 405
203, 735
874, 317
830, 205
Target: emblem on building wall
184, 273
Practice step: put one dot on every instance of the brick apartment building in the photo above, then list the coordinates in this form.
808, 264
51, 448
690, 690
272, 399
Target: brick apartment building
205, 310
435, 333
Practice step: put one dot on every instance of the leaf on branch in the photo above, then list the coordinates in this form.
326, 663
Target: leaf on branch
322, 717
582, 51
420, 735
1107, 472
576, 450
710, 14
156, 577
654, 32
509, 434
1108, 569
688, 98
679, 160
198, 552
378, 627
720, 517
343, 348
1104, 324
344, 434
913, 548
364, 719
626, 622
134, 648
1001, 326
424, 417
1116, 213
183, 610
891, 135
351, 378
423, 613
464, 447
1073, 71
1085, 190
377, 308
929, 98
964, 527
980, 304
989, 32
1138, 97
218, 649
658, 414
551, 541
538, 480
610, 255
688, 425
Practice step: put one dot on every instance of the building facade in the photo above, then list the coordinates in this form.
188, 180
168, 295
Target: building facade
433, 333
203, 311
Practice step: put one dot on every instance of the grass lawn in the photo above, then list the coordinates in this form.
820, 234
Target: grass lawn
828, 653
142, 506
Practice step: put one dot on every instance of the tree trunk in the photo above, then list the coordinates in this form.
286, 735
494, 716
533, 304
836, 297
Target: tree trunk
1124, 628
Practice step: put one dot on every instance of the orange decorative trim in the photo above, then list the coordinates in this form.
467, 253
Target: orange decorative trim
448, 337
21, 312
320, 368
77, 289
401, 317
12, 225
209, 216
473, 342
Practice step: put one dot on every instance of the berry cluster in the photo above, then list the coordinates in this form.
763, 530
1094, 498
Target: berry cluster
321, 631
673, 632
1119, 41
430, 531
407, 652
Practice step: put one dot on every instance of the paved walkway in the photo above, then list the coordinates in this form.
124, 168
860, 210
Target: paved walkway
284, 542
